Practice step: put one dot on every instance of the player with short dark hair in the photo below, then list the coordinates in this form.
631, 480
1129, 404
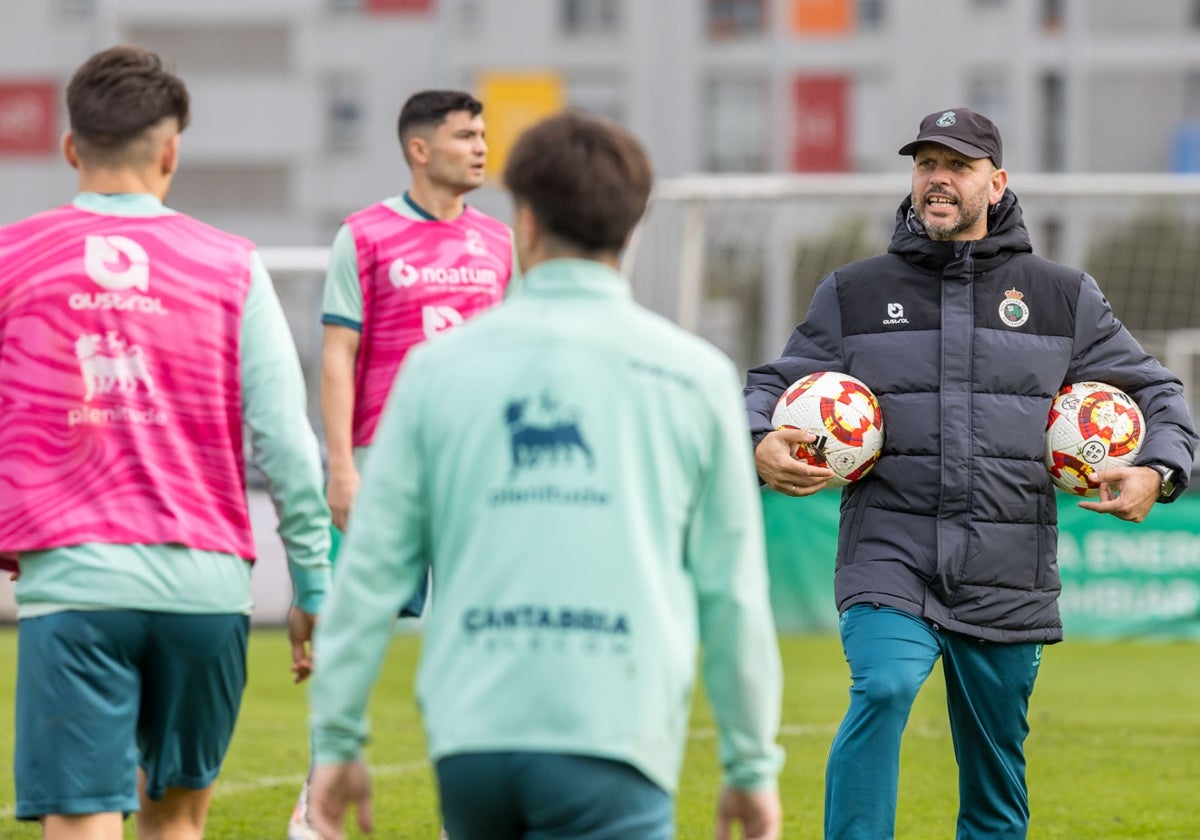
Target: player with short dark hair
402, 271
138, 346
947, 547
574, 469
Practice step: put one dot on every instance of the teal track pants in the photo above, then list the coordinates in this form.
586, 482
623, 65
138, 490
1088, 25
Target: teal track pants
890, 654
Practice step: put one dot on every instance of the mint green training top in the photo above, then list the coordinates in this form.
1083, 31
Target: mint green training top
575, 469
178, 579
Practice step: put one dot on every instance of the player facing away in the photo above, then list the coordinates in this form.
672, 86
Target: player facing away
402, 271
947, 549
575, 470
139, 349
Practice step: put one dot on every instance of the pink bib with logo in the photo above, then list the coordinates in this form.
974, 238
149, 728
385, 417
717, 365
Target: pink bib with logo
418, 278
120, 387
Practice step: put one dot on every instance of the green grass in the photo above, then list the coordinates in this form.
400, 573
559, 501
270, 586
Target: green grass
1114, 751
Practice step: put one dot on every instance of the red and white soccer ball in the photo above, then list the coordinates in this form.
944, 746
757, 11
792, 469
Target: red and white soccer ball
844, 415
1092, 427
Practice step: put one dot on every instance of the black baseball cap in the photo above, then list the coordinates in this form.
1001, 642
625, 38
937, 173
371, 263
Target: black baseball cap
963, 130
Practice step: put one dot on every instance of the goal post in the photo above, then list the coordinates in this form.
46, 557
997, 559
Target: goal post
737, 258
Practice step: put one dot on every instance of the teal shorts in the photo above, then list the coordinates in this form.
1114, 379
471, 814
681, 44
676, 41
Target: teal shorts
545, 796
100, 693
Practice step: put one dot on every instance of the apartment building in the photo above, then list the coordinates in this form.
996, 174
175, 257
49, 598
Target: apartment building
295, 100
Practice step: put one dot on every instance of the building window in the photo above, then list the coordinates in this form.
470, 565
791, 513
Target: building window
470, 17
987, 93
871, 14
735, 125
733, 18
1054, 123
590, 17
197, 47
1052, 16
344, 112
602, 95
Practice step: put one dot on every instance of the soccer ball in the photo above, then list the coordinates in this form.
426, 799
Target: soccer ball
1092, 427
844, 415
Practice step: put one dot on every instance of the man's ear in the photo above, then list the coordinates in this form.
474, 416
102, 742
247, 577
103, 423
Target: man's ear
68, 149
526, 222
417, 148
999, 185
169, 156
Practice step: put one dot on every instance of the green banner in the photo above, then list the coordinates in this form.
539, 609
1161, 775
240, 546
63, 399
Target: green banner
1119, 579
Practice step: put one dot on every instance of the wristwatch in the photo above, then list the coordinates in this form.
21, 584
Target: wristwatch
1167, 488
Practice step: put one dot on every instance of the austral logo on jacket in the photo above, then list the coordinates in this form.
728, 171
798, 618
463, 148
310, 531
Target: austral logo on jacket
547, 444
1014, 311
895, 315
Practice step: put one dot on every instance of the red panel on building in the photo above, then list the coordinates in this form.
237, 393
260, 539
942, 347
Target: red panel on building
820, 133
28, 118
389, 7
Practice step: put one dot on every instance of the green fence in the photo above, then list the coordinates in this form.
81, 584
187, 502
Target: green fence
1119, 579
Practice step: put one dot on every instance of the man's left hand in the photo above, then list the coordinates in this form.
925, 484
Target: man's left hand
300, 626
1127, 492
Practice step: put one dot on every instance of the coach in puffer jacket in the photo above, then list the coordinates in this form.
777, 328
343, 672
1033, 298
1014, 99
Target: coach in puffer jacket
947, 548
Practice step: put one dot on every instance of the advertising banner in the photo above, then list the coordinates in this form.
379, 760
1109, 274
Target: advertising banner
820, 126
1119, 579
511, 103
28, 118
822, 17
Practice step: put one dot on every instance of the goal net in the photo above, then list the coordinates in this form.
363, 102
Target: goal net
736, 258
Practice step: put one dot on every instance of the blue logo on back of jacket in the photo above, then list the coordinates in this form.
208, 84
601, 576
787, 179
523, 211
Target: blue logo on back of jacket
544, 433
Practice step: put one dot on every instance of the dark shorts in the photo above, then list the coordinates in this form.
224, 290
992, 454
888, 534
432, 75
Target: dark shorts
540, 795
100, 693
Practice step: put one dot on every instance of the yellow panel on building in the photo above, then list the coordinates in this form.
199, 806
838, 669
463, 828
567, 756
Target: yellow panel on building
511, 103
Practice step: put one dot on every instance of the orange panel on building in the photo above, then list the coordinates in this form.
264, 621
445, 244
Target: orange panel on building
821, 132
822, 17
28, 118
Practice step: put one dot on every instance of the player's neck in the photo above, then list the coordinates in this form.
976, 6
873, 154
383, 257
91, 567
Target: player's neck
439, 203
118, 181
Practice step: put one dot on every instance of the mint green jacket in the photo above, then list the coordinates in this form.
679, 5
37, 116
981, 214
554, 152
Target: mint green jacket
575, 469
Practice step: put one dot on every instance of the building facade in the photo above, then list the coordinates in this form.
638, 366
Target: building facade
295, 100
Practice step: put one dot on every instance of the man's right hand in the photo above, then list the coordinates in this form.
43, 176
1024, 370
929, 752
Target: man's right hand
343, 487
758, 811
782, 470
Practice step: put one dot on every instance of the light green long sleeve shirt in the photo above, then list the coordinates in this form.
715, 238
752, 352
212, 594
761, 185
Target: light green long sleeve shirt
175, 578
575, 469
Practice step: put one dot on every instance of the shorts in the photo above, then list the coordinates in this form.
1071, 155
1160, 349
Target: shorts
102, 692
543, 795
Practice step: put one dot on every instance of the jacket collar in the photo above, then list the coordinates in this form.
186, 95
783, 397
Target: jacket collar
1006, 236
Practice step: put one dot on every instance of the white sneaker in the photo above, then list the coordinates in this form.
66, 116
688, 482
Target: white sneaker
299, 828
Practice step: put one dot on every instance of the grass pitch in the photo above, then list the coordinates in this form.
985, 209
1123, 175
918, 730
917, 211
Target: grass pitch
1114, 751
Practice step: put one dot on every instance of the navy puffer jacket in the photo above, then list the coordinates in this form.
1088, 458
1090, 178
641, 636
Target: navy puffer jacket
957, 521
